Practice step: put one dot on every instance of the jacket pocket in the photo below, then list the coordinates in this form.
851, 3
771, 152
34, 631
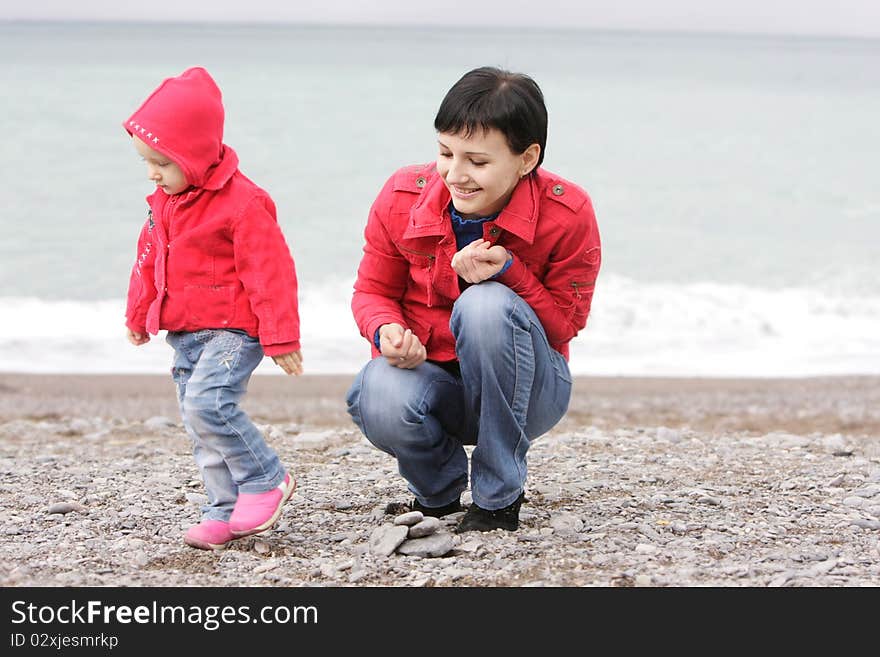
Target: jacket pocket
423, 333
421, 267
210, 306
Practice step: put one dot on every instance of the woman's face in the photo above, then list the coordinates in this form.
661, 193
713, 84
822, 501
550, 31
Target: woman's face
481, 171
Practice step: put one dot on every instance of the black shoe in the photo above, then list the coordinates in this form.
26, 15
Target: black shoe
437, 511
483, 520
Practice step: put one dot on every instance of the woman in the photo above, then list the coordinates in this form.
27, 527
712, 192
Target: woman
477, 272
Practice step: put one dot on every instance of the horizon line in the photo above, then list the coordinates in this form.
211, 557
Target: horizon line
443, 26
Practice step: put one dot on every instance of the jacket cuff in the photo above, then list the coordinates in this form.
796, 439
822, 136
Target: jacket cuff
515, 275
507, 265
136, 327
281, 348
376, 323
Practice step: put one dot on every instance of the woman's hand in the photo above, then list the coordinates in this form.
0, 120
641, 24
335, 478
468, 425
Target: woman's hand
401, 347
291, 362
479, 261
137, 339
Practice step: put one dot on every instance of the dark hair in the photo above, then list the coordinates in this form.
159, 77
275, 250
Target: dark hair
490, 97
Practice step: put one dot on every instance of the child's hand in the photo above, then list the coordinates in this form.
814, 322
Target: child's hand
291, 363
137, 339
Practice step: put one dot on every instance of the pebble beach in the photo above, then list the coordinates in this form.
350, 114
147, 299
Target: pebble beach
646, 482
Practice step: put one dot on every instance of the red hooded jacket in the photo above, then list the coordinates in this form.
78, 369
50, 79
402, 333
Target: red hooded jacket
214, 255
406, 273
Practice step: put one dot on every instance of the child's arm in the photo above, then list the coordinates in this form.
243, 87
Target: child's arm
268, 274
141, 287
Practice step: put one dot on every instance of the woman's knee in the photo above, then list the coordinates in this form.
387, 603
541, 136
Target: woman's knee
384, 403
484, 307
484, 317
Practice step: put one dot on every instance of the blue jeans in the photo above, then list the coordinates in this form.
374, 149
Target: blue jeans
211, 369
513, 387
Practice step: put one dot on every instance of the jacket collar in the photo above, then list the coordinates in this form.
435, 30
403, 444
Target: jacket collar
215, 178
519, 216
219, 174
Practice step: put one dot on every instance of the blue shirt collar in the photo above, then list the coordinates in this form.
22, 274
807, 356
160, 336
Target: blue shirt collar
461, 220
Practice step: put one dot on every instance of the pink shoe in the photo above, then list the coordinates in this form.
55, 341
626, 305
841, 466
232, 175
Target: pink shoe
209, 535
257, 512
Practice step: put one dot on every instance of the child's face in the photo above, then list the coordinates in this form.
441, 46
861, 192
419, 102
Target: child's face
166, 174
481, 171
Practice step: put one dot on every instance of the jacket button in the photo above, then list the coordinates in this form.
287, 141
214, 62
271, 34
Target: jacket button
494, 230
558, 190
420, 182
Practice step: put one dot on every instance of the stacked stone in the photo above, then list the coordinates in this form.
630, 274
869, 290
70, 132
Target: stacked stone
411, 534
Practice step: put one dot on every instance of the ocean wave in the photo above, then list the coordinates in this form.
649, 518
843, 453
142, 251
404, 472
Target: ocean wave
635, 329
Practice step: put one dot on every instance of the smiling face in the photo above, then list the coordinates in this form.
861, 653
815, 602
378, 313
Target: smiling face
481, 171
161, 170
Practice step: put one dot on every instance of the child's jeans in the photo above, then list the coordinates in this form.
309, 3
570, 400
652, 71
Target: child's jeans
513, 387
211, 369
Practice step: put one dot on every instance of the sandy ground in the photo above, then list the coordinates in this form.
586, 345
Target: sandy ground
657, 482
848, 405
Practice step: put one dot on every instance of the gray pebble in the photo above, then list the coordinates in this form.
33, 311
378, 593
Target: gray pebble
435, 545
356, 576
866, 524
566, 522
471, 545
79, 425
410, 518
65, 507
385, 539
158, 422
837, 481
424, 527
868, 491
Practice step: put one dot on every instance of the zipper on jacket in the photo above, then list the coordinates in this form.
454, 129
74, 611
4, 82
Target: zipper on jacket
430, 284
168, 213
577, 287
430, 256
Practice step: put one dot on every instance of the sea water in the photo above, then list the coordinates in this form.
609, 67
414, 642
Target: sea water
734, 180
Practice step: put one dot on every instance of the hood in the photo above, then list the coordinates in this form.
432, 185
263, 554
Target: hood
183, 120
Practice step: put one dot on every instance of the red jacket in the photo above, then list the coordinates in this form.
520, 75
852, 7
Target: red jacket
406, 273
214, 255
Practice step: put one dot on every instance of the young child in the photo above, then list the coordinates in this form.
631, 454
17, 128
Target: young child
214, 270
